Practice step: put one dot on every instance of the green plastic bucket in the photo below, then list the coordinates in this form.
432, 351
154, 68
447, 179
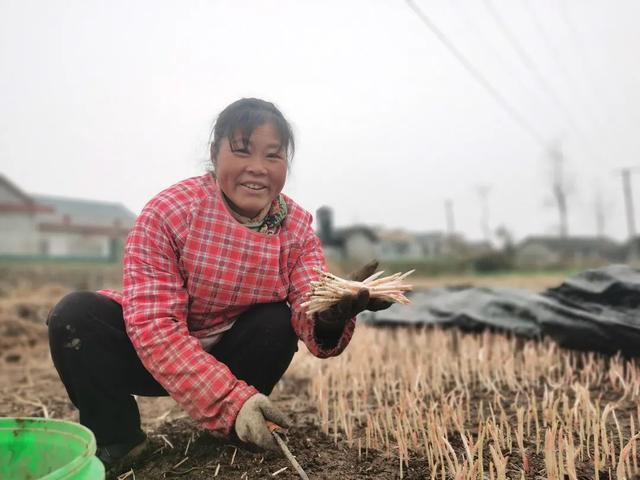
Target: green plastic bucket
46, 449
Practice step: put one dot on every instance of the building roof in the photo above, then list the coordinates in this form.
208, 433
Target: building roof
86, 212
21, 201
4, 181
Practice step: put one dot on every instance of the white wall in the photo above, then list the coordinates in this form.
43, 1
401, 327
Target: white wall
332, 254
75, 245
18, 235
434, 247
359, 247
393, 250
536, 255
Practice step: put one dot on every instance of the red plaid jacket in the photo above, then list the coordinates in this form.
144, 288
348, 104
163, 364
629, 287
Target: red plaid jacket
189, 269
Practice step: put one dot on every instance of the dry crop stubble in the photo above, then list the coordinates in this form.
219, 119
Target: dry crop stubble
437, 401
479, 406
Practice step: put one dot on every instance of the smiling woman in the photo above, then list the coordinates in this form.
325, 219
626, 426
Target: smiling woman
250, 150
216, 273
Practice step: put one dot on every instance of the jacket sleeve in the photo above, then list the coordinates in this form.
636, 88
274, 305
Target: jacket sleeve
155, 305
301, 276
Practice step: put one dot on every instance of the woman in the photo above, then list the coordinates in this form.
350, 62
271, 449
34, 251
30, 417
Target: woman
215, 271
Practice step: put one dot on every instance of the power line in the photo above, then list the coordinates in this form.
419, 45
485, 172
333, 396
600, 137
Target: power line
553, 50
599, 117
569, 78
478, 76
578, 48
530, 64
496, 54
588, 67
545, 88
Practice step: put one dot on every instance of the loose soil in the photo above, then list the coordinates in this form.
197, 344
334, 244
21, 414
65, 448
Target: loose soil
30, 387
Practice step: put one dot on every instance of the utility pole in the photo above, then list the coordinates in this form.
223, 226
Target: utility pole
559, 187
448, 212
451, 227
600, 214
628, 199
483, 193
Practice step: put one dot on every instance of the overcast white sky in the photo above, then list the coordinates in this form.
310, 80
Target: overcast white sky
113, 100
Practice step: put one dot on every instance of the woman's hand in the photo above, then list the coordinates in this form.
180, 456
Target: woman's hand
251, 422
374, 304
332, 320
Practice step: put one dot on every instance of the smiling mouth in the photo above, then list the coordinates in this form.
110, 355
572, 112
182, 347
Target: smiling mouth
253, 186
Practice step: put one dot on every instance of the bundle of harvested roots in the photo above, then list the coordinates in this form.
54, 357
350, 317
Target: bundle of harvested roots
330, 289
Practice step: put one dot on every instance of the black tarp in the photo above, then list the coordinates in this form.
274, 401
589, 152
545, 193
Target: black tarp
597, 310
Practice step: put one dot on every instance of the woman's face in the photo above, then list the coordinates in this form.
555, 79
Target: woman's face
253, 177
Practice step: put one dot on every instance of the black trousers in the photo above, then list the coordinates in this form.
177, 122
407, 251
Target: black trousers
101, 370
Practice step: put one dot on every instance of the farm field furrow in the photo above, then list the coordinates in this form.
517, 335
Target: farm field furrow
398, 403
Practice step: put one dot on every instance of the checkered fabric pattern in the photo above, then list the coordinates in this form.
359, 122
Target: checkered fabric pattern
189, 270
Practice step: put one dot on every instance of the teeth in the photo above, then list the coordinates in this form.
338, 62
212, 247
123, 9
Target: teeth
253, 186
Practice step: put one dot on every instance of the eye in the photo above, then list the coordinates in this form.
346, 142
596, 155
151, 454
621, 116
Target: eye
275, 155
240, 151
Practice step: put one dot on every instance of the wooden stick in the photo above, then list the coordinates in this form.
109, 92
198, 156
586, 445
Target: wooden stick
273, 428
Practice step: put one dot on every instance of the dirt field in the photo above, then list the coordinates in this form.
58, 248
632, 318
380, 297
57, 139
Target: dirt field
30, 387
335, 432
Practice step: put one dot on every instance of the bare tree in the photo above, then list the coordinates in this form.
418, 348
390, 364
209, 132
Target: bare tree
483, 193
628, 198
505, 238
602, 210
560, 186
600, 214
449, 217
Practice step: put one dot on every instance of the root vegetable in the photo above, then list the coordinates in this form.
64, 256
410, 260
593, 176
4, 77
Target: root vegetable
330, 289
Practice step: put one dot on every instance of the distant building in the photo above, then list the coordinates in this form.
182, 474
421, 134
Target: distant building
632, 250
398, 245
434, 244
547, 251
358, 243
361, 243
478, 247
39, 226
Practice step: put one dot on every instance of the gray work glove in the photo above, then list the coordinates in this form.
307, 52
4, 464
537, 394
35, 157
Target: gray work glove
251, 425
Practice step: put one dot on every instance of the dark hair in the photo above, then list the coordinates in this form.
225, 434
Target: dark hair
245, 115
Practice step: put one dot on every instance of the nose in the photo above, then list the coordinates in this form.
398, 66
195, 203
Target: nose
257, 165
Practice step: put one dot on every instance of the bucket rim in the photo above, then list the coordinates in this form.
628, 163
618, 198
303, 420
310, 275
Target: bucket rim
39, 424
